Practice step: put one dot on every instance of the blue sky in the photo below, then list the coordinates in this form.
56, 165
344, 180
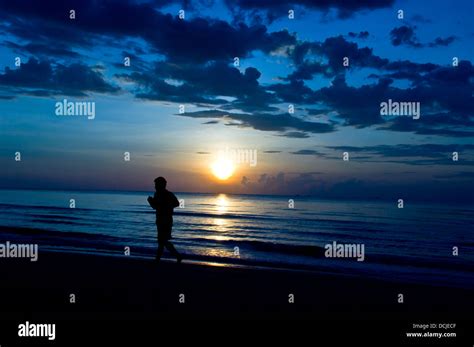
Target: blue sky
282, 61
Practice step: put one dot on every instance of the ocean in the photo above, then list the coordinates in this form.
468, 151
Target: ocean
413, 244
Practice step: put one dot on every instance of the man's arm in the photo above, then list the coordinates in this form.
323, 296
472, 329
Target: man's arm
152, 203
174, 201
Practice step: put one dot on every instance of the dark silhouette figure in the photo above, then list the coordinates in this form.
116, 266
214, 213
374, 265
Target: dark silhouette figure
164, 202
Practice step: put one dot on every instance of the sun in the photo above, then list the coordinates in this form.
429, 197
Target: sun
223, 168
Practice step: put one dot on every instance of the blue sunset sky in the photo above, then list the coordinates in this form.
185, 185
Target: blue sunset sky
282, 61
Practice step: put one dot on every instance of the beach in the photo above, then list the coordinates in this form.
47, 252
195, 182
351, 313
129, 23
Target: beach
121, 287
91, 268
407, 245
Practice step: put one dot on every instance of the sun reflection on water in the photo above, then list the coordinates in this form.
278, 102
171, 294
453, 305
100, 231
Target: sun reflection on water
221, 225
222, 203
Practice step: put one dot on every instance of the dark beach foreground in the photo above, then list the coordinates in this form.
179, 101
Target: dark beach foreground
124, 288
115, 286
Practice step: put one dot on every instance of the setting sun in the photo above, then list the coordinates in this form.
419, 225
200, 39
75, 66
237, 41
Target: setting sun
223, 168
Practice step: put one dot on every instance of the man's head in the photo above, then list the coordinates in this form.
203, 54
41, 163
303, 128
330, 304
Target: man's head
160, 183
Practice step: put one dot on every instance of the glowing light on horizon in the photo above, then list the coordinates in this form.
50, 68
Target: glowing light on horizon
223, 169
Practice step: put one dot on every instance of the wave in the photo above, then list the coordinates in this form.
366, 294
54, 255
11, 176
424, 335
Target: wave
270, 249
57, 235
58, 213
42, 207
315, 251
285, 248
57, 221
55, 216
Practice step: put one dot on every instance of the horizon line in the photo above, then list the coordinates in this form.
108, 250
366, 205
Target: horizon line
433, 202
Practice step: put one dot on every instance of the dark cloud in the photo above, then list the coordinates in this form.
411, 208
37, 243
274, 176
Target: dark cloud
42, 50
360, 35
279, 8
440, 125
325, 58
306, 152
194, 40
137, 64
405, 69
335, 48
295, 134
405, 35
307, 70
195, 65
43, 79
439, 41
265, 122
445, 95
302, 49
415, 155
295, 91
358, 106
30, 74
424, 154
431, 163
205, 84
266, 183
201, 40
35, 27
307, 58
323, 187
402, 150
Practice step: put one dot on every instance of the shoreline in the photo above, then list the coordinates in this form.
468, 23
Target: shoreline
418, 271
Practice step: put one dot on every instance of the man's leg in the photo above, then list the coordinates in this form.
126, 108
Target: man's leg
159, 251
173, 251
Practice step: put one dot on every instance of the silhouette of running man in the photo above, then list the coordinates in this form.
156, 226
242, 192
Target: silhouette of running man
164, 202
